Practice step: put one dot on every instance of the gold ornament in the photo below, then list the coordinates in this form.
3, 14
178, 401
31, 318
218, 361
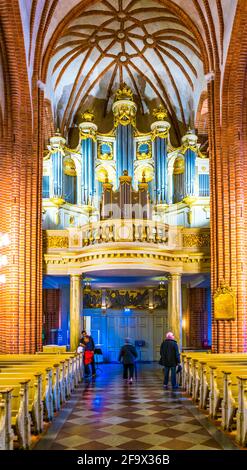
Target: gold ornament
224, 302
101, 174
147, 170
56, 242
124, 108
196, 240
159, 133
57, 201
160, 113
189, 200
178, 168
125, 178
124, 93
88, 116
124, 114
88, 134
69, 167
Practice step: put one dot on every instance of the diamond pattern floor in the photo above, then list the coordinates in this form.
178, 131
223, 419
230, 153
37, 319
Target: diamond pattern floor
108, 414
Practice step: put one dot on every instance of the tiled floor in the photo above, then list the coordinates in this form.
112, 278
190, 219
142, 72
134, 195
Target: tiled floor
108, 414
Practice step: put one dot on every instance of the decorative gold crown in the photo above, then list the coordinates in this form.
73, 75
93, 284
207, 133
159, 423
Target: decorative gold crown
124, 93
87, 116
160, 113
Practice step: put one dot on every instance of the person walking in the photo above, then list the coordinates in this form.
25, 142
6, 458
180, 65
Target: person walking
89, 347
128, 355
169, 358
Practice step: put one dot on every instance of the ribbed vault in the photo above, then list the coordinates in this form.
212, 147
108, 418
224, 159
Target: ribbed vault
140, 43
81, 51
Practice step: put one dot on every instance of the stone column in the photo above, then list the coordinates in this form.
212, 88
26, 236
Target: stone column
75, 310
175, 306
186, 314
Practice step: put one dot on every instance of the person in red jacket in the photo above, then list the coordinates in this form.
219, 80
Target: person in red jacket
89, 347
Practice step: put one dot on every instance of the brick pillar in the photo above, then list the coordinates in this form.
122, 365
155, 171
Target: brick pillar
228, 191
20, 195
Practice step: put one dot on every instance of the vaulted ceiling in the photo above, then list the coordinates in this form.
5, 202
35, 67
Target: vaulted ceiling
162, 49
139, 43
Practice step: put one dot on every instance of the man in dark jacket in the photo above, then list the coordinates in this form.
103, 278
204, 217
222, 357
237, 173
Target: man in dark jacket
88, 344
128, 353
170, 358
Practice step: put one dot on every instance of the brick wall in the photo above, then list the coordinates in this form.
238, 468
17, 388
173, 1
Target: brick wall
228, 165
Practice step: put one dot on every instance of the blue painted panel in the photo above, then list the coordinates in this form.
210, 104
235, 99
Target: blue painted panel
160, 159
105, 149
143, 148
70, 189
46, 187
178, 187
88, 173
57, 170
204, 185
124, 151
190, 161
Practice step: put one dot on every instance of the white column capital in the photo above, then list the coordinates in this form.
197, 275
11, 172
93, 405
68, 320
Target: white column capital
174, 276
76, 276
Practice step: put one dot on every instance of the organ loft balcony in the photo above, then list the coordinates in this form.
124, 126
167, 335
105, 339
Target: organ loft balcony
126, 243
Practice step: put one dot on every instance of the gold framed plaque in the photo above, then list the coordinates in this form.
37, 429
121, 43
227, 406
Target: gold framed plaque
224, 303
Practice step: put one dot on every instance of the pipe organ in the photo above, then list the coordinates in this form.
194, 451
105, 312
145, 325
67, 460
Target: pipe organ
125, 173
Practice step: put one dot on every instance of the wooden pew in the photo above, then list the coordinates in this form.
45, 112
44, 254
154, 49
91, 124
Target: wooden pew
20, 418
64, 380
221, 379
38, 384
206, 381
6, 431
53, 348
242, 411
189, 358
76, 365
197, 380
58, 380
48, 386
35, 406
224, 391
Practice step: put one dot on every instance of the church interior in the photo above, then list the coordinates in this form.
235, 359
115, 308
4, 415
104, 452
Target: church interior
122, 196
